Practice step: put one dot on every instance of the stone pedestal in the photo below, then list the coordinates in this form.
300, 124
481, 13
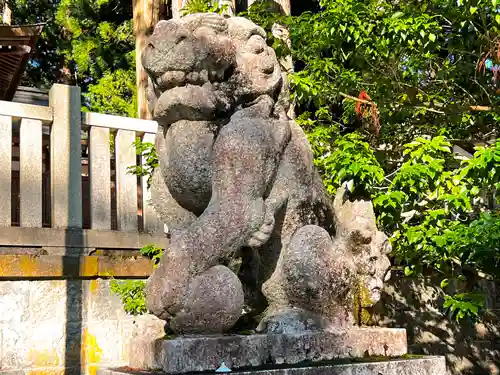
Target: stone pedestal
200, 354
402, 366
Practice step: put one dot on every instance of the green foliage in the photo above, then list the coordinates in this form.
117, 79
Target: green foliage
464, 305
114, 93
148, 152
88, 43
433, 208
351, 160
424, 65
203, 6
152, 252
266, 14
132, 292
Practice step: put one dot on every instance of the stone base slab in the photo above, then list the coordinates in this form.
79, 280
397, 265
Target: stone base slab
402, 366
198, 354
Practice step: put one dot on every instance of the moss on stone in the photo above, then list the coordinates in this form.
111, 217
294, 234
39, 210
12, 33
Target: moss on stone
361, 300
169, 337
412, 356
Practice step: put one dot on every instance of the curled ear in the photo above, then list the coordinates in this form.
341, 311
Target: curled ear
353, 214
212, 20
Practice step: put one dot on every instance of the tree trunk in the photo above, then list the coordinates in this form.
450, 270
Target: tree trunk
176, 8
146, 15
6, 13
231, 7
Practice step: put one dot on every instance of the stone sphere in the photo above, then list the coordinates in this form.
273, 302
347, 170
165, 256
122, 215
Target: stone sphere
214, 302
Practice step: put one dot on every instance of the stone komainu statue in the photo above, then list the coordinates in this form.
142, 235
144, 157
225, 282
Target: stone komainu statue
236, 181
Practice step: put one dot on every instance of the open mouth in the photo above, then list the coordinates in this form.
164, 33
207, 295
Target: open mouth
171, 79
179, 78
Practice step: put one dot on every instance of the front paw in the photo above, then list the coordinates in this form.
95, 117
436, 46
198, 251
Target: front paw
261, 236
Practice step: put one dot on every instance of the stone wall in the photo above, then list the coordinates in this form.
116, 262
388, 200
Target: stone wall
416, 304
56, 326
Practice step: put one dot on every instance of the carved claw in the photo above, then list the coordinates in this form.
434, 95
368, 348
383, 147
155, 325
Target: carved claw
260, 237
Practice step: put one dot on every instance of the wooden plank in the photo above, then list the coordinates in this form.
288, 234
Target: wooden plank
126, 183
30, 173
100, 178
152, 224
99, 239
119, 122
5, 170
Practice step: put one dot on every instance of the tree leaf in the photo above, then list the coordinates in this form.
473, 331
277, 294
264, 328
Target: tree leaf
444, 283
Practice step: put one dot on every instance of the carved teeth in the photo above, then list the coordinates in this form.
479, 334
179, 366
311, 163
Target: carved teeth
171, 79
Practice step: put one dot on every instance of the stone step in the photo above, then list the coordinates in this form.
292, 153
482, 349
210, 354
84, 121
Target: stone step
205, 353
407, 365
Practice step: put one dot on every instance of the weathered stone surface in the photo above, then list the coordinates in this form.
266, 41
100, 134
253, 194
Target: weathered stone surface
415, 366
143, 329
35, 346
52, 326
100, 178
101, 304
96, 334
236, 180
77, 238
30, 266
185, 355
30, 173
14, 301
65, 154
49, 301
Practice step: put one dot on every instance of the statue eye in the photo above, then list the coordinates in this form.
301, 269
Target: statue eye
258, 49
181, 38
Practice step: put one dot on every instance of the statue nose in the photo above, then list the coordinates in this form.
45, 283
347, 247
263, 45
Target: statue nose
167, 31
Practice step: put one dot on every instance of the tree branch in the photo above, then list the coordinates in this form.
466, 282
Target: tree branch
474, 108
355, 99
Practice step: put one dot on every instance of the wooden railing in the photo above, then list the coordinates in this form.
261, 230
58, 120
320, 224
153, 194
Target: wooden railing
46, 182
